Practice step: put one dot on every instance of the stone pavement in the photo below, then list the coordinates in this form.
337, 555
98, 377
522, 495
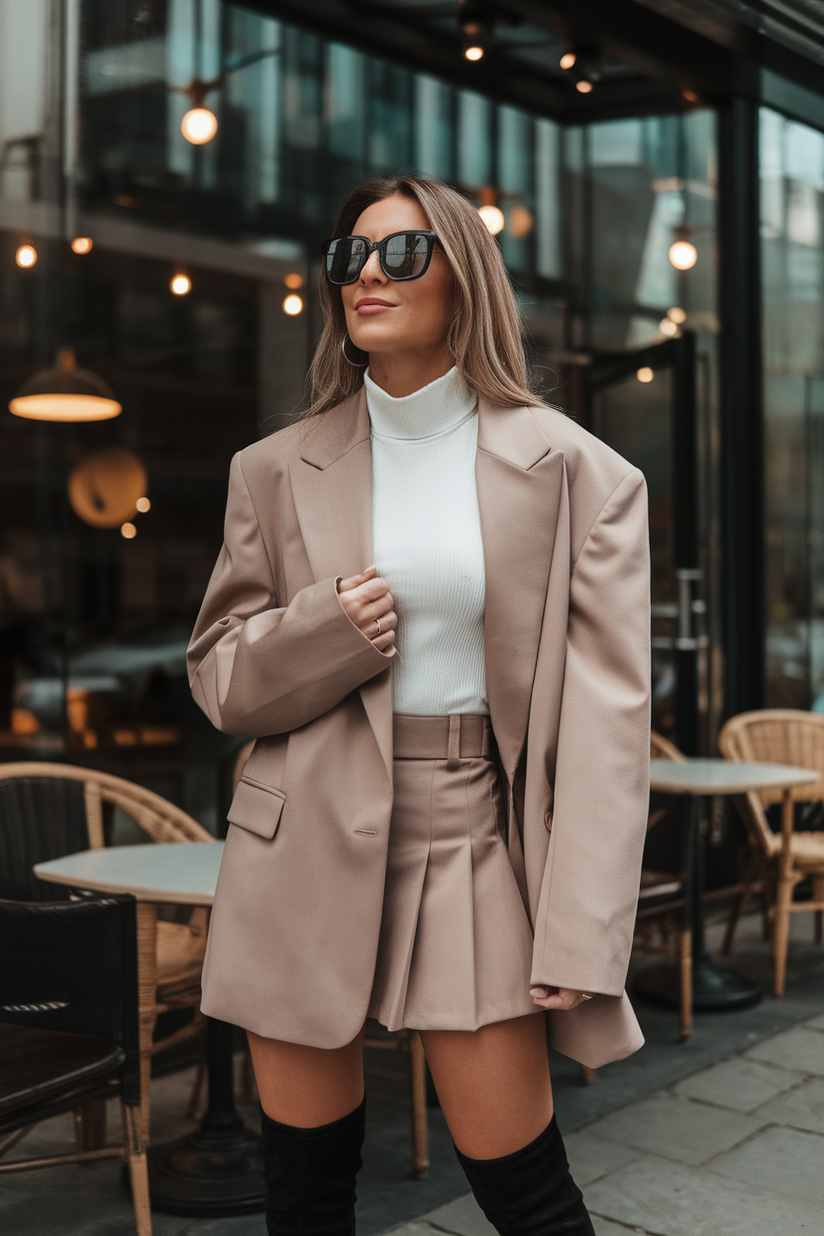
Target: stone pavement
736, 1149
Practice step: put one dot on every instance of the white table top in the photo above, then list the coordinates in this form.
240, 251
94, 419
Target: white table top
719, 776
181, 873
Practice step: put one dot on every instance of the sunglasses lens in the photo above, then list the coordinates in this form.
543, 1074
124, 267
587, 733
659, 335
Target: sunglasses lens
344, 259
405, 256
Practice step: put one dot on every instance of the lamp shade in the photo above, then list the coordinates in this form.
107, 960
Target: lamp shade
65, 393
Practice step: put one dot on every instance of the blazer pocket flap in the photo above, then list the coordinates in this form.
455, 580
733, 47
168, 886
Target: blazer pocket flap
256, 807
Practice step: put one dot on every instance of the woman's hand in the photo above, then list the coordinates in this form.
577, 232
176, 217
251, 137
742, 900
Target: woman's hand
369, 604
558, 997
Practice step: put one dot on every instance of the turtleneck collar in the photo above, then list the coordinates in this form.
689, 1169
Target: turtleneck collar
433, 410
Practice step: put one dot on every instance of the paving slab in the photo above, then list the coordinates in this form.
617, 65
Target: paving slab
677, 1128
606, 1227
817, 1022
591, 1157
672, 1199
739, 1084
787, 1162
799, 1048
803, 1107
463, 1216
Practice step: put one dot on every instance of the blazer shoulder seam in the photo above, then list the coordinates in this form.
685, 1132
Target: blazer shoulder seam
260, 530
634, 474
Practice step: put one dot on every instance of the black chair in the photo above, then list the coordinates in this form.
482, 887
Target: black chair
69, 1033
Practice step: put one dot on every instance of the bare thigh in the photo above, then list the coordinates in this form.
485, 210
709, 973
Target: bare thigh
307, 1086
493, 1084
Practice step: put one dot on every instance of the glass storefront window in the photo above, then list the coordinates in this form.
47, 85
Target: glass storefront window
179, 305
792, 253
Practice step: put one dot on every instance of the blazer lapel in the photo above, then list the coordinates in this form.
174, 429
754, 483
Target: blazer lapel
519, 478
332, 491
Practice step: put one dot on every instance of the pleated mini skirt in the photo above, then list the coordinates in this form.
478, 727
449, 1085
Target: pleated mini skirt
455, 949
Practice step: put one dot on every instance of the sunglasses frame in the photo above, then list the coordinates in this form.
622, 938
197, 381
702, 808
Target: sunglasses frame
380, 245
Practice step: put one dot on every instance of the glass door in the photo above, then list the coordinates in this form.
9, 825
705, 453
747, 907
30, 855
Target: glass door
643, 403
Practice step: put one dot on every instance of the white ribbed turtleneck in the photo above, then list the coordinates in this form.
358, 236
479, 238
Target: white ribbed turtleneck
426, 534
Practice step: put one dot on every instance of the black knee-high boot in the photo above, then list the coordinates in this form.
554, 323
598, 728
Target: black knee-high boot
310, 1176
530, 1192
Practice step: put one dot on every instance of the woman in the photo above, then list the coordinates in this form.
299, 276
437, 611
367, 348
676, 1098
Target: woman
442, 821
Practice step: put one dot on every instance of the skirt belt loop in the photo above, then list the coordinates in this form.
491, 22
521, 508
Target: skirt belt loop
453, 753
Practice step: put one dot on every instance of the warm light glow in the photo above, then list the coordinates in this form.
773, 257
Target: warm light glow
493, 219
689, 95
65, 407
26, 256
294, 281
645, 374
474, 53
82, 244
668, 327
567, 60
584, 87
199, 126
677, 315
520, 221
143, 505
293, 305
23, 721
181, 285
683, 255
128, 531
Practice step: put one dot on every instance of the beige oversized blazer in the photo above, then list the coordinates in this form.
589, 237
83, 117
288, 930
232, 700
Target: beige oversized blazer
274, 656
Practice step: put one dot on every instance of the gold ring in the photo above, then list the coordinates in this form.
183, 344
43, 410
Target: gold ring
378, 622
584, 996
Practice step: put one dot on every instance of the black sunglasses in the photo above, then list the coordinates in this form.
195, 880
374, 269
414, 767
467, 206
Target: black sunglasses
403, 255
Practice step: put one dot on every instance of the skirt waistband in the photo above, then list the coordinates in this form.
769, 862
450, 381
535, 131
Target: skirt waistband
459, 736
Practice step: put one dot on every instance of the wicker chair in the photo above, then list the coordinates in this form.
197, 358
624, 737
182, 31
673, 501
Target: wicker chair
48, 810
408, 1041
778, 862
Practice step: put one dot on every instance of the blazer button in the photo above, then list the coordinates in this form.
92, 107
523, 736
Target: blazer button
548, 821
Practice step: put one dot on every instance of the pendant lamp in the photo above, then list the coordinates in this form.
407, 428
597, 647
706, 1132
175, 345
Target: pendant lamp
65, 394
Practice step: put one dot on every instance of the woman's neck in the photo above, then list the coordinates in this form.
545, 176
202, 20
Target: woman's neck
401, 374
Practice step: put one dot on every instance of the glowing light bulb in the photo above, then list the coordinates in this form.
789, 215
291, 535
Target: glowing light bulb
683, 254
568, 60
128, 531
143, 505
645, 374
181, 285
668, 327
294, 281
82, 244
474, 53
293, 305
493, 219
584, 87
199, 125
677, 315
26, 256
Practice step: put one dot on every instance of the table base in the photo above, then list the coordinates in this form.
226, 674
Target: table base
212, 1173
713, 989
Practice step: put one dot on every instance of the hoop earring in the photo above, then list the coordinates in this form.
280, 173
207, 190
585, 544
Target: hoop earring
356, 364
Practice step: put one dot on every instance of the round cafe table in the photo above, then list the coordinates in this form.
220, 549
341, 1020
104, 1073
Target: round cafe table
713, 988
216, 1171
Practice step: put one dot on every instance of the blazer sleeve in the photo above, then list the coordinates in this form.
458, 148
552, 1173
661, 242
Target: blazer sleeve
256, 668
586, 913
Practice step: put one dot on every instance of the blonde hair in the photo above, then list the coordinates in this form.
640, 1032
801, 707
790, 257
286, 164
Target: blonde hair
485, 333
